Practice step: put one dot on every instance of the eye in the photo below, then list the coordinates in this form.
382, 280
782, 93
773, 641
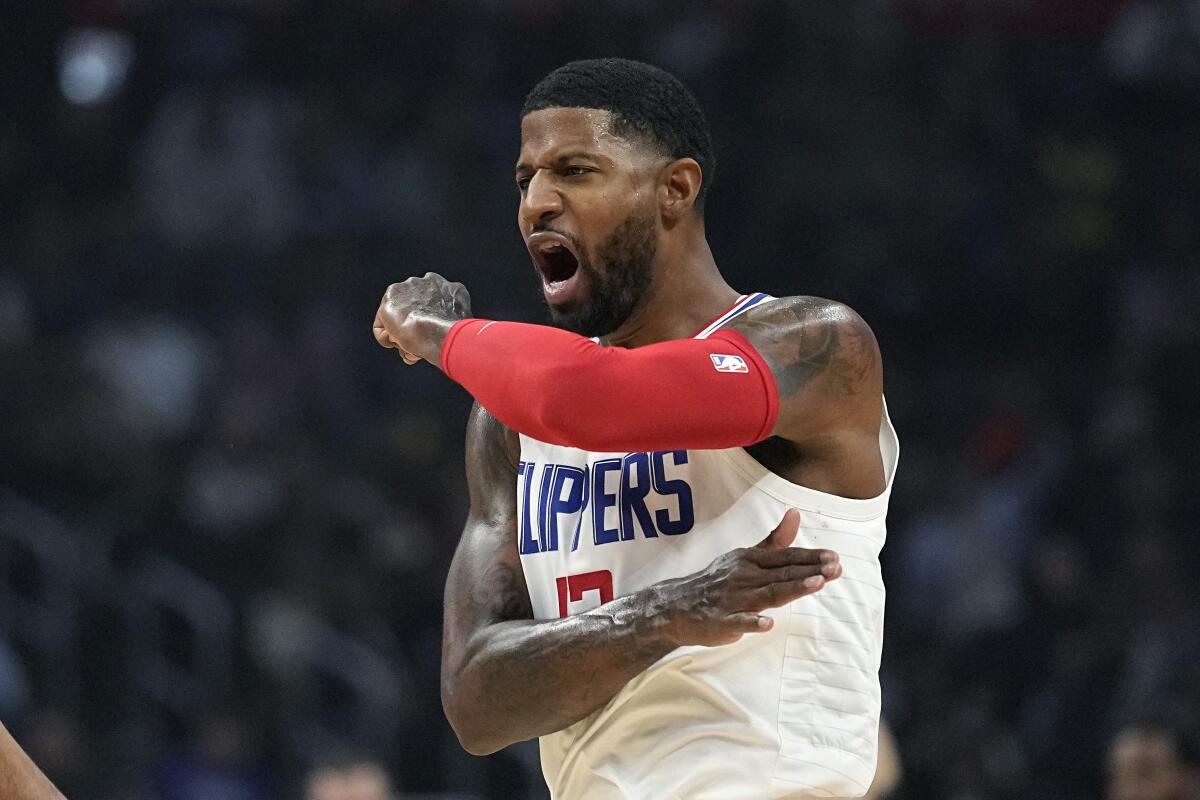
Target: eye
523, 183
575, 170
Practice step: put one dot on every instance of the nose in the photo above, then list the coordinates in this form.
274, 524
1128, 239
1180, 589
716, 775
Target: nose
541, 202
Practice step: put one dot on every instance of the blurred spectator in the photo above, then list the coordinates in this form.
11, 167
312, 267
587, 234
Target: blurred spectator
1154, 760
348, 778
214, 171
221, 763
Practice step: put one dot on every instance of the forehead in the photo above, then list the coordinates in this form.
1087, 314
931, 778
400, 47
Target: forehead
553, 130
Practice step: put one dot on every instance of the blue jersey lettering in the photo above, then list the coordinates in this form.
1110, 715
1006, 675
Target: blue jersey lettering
641, 491
566, 497
602, 500
677, 487
635, 486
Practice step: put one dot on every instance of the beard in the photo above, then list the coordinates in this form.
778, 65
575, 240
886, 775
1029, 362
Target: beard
617, 288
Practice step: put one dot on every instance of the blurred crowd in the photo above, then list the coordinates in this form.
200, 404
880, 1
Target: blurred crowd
226, 514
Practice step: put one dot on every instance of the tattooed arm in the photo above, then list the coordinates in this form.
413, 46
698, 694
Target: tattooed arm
829, 374
507, 677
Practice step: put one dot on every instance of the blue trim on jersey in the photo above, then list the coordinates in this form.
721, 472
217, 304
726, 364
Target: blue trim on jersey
750, 301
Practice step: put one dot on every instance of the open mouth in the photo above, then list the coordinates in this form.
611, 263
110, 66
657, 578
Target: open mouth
556, 261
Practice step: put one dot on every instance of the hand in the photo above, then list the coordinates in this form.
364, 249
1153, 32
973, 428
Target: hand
416, 314
720, 603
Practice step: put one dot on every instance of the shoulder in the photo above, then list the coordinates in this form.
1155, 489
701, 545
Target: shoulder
808, 340
810, 312
825, 362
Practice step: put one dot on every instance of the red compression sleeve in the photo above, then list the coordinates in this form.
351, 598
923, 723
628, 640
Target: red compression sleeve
565, 389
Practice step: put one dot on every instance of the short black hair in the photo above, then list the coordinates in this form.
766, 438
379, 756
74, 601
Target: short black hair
645, 102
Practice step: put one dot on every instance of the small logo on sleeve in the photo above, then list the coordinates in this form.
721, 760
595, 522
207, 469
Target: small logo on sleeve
728, 363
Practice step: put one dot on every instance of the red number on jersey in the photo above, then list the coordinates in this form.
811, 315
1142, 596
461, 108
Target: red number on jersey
576, 585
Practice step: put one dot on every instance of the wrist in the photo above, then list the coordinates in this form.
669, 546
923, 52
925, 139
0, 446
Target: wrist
656, 617
429, 335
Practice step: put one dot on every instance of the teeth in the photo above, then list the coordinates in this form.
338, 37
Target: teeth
551, 247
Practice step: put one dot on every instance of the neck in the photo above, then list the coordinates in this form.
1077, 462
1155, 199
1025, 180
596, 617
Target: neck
686, 294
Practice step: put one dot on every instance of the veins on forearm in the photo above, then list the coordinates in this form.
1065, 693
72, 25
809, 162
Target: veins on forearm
579, 662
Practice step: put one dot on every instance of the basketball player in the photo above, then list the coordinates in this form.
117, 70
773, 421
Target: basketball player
670, 569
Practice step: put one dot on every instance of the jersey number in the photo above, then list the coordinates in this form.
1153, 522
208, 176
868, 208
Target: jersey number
574, 586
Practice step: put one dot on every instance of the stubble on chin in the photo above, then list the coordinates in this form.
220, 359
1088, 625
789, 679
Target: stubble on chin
615, 292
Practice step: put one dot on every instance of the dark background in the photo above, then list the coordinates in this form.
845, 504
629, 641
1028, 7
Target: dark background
226, 514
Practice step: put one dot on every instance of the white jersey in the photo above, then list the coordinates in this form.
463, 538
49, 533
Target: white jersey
790, 713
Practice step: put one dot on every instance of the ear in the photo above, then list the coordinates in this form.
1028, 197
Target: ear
679, 186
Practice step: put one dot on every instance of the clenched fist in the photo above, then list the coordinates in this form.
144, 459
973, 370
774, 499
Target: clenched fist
416, 314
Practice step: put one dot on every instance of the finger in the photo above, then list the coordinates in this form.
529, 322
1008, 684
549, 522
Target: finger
788, 556
408, 357
795, 573
749, 622
381, 334
774, 595
785, 532
384, 339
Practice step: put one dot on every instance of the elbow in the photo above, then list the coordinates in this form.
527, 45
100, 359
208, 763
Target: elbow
472, 736
475, 740
479, 747
469, 726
